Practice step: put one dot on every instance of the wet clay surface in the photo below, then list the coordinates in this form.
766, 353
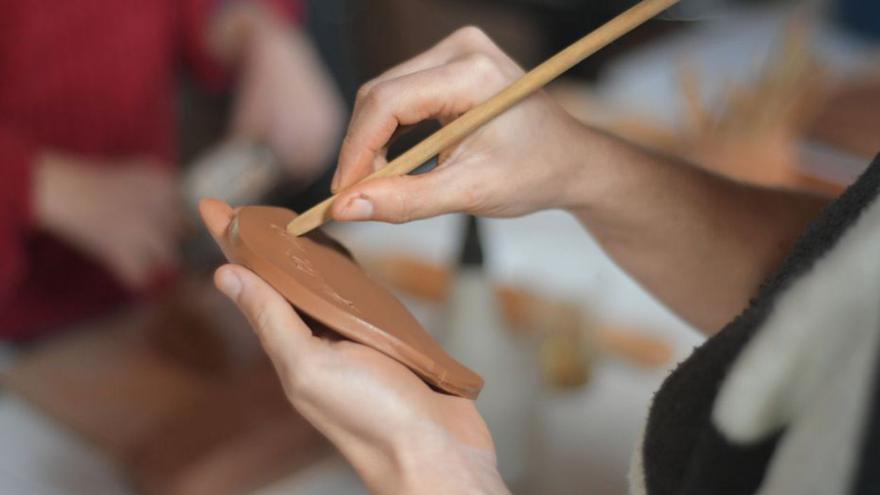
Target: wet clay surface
318, 277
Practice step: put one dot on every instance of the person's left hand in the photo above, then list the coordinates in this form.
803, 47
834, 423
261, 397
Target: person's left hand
399, 434
286, 98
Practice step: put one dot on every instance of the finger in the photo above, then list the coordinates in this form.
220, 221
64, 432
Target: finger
284, 335
453, 46
402, 199
440, 92
216, 214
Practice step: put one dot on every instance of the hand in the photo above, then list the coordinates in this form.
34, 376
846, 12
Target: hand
525, 160
401, 436
127, 216
286, 96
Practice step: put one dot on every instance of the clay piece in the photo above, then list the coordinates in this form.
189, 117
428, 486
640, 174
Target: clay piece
318, 277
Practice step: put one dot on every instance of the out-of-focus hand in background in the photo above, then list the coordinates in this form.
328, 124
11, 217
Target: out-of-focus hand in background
286, 97
127, 216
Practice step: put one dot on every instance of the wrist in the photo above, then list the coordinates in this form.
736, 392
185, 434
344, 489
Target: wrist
599, 166
443, 465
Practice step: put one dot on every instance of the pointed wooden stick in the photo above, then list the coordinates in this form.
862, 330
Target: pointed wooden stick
491, 108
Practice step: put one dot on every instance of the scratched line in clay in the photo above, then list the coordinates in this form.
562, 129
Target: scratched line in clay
302, 265
306, 267
335, 295
291, 239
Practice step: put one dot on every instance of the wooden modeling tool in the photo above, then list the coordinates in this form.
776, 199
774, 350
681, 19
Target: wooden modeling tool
498, 104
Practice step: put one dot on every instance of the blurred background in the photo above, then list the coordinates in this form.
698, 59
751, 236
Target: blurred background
123, 371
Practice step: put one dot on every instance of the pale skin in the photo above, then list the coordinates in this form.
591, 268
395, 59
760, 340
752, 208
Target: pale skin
393, 443
285, 95
700, 243
129, 216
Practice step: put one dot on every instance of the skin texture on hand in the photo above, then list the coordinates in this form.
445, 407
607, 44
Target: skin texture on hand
505, 159
700, 243
127, 216
399, 434
285, 97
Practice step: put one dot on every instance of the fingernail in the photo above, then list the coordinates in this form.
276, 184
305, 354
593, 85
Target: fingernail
359, 208
229, 284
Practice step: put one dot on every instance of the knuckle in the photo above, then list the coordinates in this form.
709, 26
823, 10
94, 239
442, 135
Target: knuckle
378, 95
472, 35
367, 101
403, 208
483, 64
487, 70
364, 90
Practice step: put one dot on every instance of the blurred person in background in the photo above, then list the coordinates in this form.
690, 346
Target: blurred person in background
90, 211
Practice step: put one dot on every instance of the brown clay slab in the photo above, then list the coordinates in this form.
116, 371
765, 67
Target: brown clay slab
318, 277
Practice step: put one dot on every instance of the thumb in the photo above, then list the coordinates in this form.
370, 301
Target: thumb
284, 336
400, 199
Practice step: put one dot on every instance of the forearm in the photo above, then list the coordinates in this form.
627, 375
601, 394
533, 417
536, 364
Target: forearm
285, 96
464, 470
702, 244
415, 456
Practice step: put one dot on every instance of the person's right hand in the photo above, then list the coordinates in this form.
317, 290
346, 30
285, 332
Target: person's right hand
524, 160
127, 216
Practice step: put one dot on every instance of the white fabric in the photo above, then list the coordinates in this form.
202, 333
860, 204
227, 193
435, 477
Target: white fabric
636, 475
810, 368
